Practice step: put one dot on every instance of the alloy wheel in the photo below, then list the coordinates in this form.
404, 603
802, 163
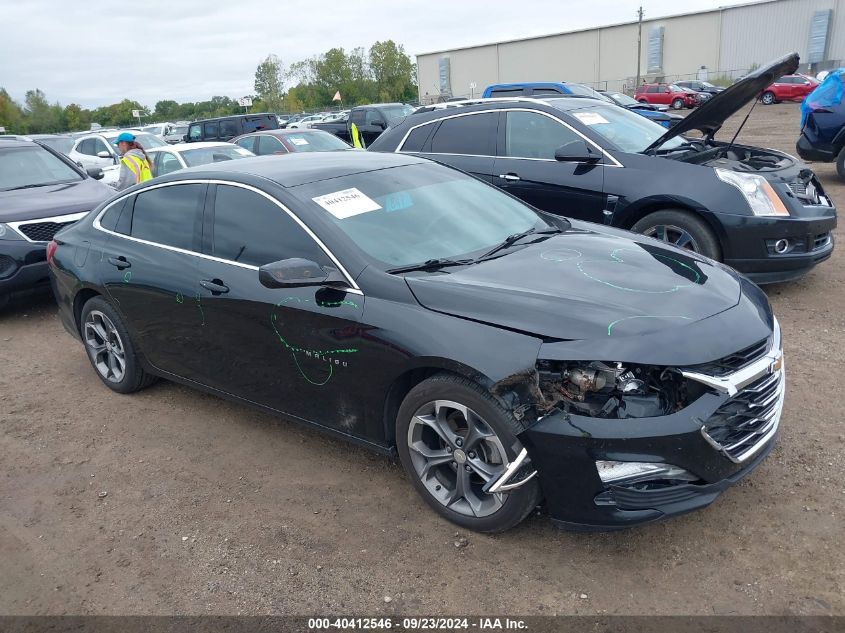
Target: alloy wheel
105, 347
455, 453
673, 235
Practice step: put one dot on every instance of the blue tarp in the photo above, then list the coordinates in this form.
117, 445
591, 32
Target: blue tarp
827, 94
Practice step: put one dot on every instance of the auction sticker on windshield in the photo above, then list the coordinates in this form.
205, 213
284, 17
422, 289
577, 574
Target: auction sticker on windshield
347, 203
590, 118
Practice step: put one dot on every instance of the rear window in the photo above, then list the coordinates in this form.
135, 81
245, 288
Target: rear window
315, 142
206, 155
169, 215
255, 123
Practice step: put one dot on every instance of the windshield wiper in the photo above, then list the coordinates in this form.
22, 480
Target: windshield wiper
431, 264
510, 240
40, 184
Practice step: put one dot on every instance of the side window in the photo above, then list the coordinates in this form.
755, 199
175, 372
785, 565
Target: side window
250, 229
248, 142
87, 147
417, 138
532, 135
357, 117
269, 145
110, 218
211, 129
228, 128
547, 91
654, 88
166, 163
471, 134
195, 133
507, 92
100, 146
372, 116
169, 215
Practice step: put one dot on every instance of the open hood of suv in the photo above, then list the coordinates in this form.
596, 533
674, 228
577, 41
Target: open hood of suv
710, 115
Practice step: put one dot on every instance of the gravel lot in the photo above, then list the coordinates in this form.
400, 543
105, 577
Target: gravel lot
214, 508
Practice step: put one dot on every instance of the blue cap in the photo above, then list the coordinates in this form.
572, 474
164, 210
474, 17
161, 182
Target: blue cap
125, 136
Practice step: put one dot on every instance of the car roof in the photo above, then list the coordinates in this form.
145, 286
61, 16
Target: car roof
285, 132
180, 147
12, 140
301, 168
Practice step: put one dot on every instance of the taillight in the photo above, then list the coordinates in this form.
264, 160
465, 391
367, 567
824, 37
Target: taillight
51, 250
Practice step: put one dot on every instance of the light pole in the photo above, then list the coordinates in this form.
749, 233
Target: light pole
639, 44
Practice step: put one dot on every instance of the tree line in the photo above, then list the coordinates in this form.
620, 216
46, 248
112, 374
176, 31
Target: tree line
385, 72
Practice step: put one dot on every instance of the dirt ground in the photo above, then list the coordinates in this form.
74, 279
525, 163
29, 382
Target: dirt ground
174, 502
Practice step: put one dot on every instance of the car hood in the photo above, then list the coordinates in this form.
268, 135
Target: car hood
583, 284
52, 200
710, 115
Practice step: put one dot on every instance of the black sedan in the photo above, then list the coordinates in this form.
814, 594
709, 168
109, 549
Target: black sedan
761, 211
508, 356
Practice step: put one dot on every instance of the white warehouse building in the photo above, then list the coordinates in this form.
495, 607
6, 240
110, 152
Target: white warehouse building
721, 44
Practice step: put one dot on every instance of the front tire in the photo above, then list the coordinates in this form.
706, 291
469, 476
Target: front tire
677, 104
840, 164
682, 229
768, 98
110, 350
453, 437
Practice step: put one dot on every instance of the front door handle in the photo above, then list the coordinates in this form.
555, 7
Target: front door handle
511, 177
215, 286
120, 262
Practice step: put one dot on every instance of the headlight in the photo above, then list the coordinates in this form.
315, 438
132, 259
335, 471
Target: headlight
8, 233
756, 190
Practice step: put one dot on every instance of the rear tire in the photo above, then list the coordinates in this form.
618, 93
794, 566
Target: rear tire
840, 164
677, 104
682, 229
768, 98
110, 350
452, 436
643, 100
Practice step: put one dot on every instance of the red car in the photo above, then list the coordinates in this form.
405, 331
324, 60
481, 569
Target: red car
666, 94
788, 88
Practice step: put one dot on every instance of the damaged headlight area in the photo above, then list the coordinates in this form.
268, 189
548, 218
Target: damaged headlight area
614, 390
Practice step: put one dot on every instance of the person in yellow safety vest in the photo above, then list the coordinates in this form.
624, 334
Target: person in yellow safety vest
134, 162
357, 139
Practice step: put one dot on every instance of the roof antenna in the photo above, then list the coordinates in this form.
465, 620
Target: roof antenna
739, 129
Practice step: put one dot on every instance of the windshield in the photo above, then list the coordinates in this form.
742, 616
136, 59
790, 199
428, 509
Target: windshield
623, 99
396, 112
32, 166
206, 155
624, 128
62, 144
315, 142
585, 91
707, 84
412, 214
179, 130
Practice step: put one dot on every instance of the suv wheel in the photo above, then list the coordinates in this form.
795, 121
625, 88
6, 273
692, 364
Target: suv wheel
453, 437
840, 164
109, 348
768, 97
678, 103
682, 229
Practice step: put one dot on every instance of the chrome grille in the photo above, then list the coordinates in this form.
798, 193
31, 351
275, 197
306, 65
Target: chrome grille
798, 188
749, 419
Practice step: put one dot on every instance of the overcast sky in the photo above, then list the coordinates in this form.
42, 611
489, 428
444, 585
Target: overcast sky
99, 52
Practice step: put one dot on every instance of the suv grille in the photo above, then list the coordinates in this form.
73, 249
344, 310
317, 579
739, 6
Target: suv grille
743, 421
737, 360
41, 231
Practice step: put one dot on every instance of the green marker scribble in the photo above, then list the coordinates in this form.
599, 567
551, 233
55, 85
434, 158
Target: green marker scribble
179, 297
293, 350
619, 260
322, 304
199, 305
127, 276
645, 316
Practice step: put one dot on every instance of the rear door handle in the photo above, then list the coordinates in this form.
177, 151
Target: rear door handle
120, 262
215, 286
511, 177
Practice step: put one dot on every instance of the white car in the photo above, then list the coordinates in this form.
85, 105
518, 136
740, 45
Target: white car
176, 133
172, 158
306, 122
97, 149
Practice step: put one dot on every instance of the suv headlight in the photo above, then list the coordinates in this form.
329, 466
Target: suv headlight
8, 233
756, 190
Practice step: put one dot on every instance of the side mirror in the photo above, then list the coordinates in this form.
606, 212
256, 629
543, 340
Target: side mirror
296, 272
103, 154
577, 152
95, 172
668, 91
